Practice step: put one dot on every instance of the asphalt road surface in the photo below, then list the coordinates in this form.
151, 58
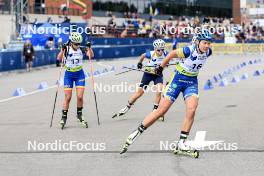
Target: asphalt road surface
232, 114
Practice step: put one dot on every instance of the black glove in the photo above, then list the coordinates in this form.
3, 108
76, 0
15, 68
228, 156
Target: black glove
64, 46
139, 65
88, 44
159, 70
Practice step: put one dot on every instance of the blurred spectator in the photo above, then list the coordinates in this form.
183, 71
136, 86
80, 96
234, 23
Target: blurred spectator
59, 43
43, 6
222, 28
29, 54
35, 21
124, 33
109, 14
49, 20
111, 22
50, 44
63, 8
66, 19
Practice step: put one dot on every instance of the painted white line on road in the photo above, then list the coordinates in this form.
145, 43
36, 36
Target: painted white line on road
27, 94
104, 65
39, 91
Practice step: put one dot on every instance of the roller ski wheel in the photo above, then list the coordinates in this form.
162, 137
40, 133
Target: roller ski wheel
121, 112
63, 123
129, 141
125, 147
191, 153
83, 123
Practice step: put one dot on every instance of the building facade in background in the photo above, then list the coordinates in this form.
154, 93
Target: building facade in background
61, 7
252, 10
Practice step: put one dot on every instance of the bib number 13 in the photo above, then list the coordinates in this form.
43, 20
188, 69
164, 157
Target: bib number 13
197, 66
75, 61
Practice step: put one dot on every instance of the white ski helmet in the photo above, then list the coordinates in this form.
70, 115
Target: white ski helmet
75, 37
159, 44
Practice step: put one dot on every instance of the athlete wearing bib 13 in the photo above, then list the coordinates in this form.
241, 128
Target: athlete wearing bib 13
72, 57
184, 80
154, 58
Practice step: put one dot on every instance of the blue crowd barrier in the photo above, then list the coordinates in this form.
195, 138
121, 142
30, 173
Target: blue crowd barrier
12, 60
123, 41
120, 51
135, 41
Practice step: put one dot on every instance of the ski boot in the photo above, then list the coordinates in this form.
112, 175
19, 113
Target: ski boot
132, 137
82, 123
121, 112
183, 149
63, 122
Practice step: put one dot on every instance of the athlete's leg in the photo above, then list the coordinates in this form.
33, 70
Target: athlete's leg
164, 106
158, 82
79, 94
147, 122
139, 92
171, 93
159, 87
79, 79
191, 101
191, 106
80, 87
68, 85
27, 64
66, 102
67, 98
30, 65
132, 100
136, 95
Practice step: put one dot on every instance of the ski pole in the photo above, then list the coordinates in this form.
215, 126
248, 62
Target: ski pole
92, 77
56, 95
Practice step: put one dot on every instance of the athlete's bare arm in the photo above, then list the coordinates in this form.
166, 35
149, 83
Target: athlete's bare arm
173, 54
61, 53
142, 57
89, 52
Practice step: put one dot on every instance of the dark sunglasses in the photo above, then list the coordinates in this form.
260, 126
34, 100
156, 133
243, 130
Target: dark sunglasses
76, 44
159, 50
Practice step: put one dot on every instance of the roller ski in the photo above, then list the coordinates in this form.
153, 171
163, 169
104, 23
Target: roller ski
121, 112
125, 147
82, 123
183, 149
132, 137
63, 123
